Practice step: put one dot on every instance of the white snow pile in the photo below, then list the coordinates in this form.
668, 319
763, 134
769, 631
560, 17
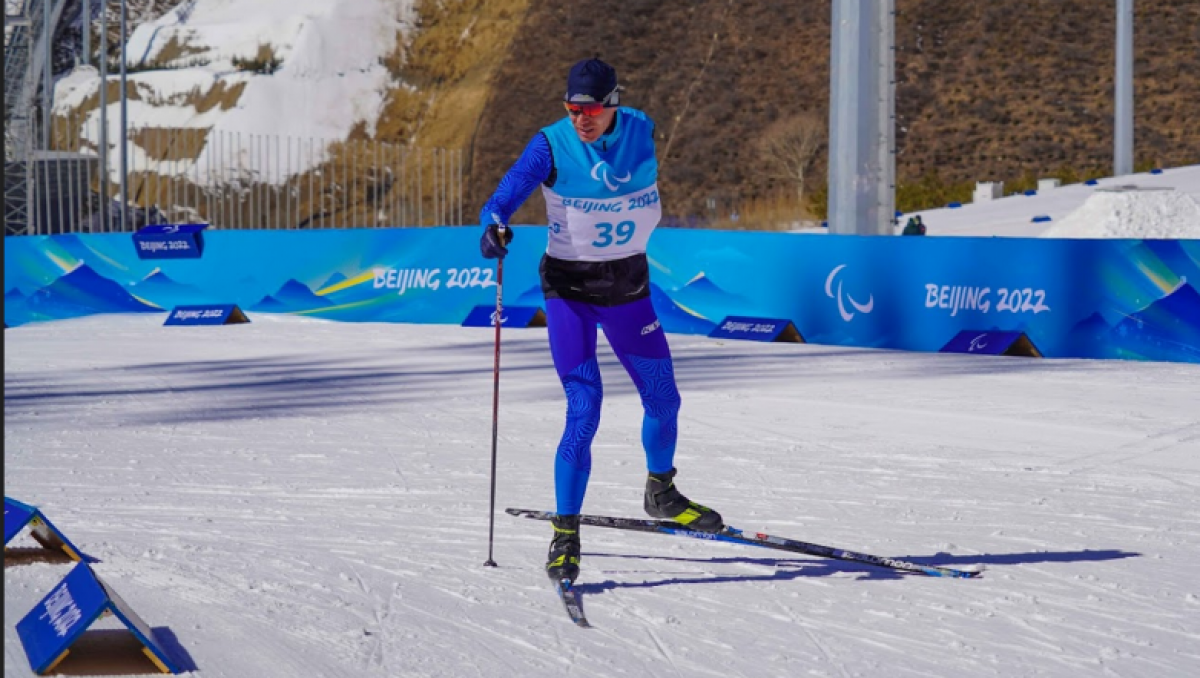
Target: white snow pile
1131, 212
330, 76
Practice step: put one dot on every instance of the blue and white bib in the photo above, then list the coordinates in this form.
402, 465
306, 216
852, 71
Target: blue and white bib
604, 203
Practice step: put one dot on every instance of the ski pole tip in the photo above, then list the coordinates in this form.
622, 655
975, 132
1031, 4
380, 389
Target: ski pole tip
490, 563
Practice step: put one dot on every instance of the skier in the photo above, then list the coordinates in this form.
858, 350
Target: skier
599, 176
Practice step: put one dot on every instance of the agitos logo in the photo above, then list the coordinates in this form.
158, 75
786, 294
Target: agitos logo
977, 344
842, 298
600, 172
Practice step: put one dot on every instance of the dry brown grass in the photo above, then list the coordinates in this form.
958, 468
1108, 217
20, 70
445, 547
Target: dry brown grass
174, 54
264, 60
448, 75
975, 100
170, 143
134, 93
220, 95
780, 211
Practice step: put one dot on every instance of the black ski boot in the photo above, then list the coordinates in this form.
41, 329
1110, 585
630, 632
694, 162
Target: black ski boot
663, 500
563, 560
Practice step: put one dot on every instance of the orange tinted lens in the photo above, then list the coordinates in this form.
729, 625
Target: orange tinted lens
590, 110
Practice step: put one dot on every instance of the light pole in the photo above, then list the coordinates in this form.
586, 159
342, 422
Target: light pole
862, 118
1123, 92
124, 130
105, 200
87, 32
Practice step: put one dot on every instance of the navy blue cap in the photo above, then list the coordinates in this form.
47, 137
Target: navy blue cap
592, 81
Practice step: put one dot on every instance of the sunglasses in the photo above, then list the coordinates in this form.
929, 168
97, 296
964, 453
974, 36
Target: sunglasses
589, 110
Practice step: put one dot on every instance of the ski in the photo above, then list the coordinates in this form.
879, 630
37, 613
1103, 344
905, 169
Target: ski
570, 600
735, 536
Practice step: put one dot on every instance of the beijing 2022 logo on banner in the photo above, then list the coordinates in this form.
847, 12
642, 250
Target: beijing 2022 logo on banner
404, 279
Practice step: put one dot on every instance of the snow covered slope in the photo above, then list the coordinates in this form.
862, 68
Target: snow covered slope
1013, 215
330, 76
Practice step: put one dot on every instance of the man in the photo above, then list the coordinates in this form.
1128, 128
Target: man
599, 176
914, 226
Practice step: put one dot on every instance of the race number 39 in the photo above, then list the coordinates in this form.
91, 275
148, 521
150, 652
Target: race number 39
614, 235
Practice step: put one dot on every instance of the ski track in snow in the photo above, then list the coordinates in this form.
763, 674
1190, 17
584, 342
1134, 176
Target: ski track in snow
296, 497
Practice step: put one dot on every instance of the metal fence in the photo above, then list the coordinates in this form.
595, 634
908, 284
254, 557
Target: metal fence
234, 180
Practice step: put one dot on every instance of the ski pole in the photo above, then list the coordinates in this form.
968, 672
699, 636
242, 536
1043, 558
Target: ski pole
497, 319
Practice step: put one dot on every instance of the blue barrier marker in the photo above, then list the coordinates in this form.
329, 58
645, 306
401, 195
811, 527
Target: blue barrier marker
757, 329
1041, 218
169, 241
954, 205
222, 314
18, 514
56, 622
514, 316
992, 342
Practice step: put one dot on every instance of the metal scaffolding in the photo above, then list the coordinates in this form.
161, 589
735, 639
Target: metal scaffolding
30, 27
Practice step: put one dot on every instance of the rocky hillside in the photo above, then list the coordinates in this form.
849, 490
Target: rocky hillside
999, 90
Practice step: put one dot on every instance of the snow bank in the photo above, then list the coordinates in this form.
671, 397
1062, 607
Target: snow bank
1131, 212
331, 74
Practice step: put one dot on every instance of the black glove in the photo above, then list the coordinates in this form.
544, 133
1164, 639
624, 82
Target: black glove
489, 243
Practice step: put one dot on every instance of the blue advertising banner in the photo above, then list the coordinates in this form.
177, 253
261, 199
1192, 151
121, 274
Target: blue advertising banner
1133, 299
514, 316
756, 329
49, 629
158, 652
169, 241
16, 516
1072, 298
224, 314
61, 617
991, 343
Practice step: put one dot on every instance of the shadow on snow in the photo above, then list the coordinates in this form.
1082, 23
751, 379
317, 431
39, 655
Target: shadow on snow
794, 568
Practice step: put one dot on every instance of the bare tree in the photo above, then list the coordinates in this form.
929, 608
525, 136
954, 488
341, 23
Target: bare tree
789, 147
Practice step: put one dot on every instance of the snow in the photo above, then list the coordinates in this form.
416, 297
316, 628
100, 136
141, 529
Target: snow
1165, 206
1125, 212
295, 497
331, 75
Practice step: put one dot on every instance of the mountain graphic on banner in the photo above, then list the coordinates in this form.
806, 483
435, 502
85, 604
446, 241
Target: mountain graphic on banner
161, 289
1171, 324
705, 296
334, 279
84, 292
1175, 316
676, 318
292, 296
15, 311
531, 297
703, 284
104, 266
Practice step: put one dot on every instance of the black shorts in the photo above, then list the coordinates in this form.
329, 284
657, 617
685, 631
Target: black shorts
603, 283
